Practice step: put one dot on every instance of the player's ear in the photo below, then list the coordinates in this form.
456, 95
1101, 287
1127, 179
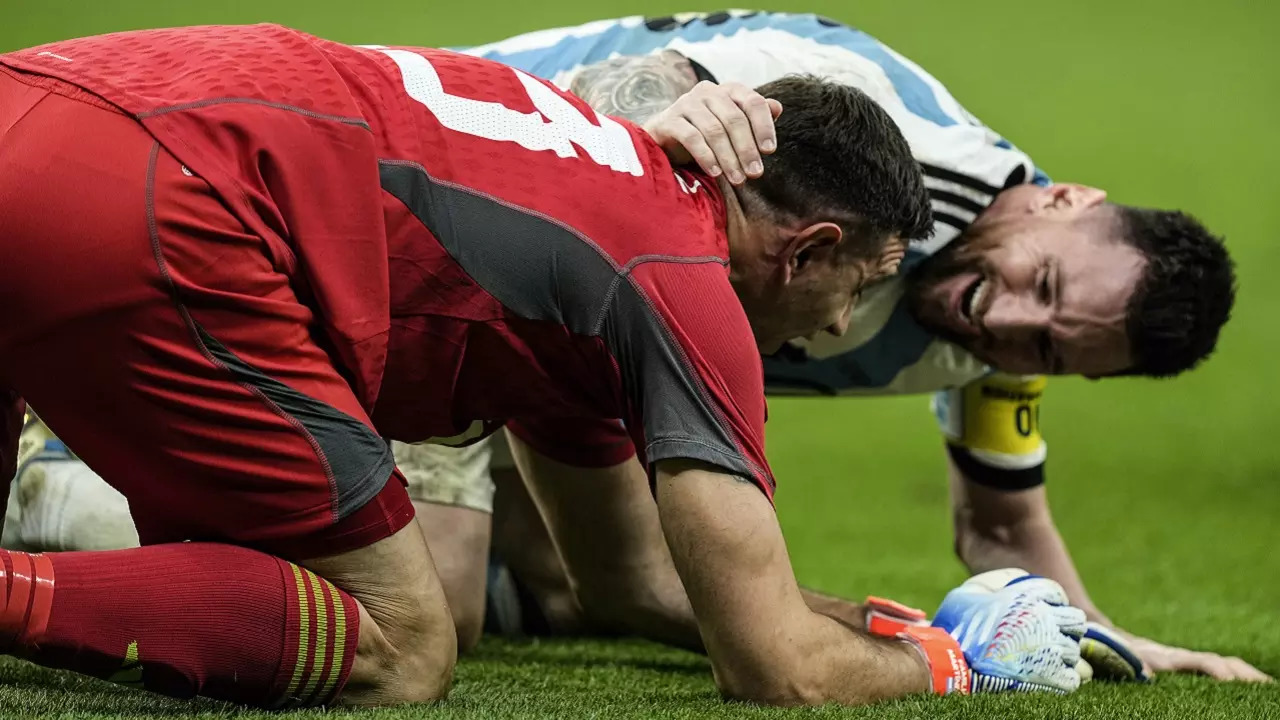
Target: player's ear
1067, 198
812, 246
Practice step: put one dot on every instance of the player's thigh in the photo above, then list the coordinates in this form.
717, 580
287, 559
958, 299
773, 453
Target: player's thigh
523, 543
459, 541
603, 522
453, 495
407, 645
155, 336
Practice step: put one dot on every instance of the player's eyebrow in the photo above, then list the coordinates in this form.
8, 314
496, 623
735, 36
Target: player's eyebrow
1057, 286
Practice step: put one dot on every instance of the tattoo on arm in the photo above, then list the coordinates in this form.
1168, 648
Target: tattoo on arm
636, 88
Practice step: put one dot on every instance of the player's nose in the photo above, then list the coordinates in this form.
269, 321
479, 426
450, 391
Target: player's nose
841, 325
1013, 316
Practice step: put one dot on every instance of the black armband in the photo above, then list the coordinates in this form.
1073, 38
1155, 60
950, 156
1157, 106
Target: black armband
994, 477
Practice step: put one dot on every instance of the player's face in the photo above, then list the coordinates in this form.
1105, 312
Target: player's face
1039, 285
818, 294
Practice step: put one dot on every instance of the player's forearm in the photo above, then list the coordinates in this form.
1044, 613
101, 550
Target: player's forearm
668, 618
845, 612
765, 643
636, 88
850, 667
1033, 545
1000, 528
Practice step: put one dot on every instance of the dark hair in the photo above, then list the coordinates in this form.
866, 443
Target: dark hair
841, 156
1184, 296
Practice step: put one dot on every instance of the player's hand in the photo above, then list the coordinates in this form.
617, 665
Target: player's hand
1164, 658
726, 129
1022, 635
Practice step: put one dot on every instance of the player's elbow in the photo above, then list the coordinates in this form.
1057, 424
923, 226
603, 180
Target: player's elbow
785, 680
653, 607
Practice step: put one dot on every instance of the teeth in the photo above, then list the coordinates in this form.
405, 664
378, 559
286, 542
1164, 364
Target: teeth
975, 300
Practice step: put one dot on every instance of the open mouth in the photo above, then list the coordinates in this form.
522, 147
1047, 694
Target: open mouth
972, 300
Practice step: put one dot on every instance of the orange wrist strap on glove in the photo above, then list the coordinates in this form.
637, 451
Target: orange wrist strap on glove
948, 671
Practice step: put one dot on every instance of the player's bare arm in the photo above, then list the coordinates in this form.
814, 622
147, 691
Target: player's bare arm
636, 88
767, 645
606, 530
997, 528
605, 527
725, 129
764, 643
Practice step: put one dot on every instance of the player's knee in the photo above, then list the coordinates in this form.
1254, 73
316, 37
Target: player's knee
425, 673
401, 660
407, 643
623, 603
458, 538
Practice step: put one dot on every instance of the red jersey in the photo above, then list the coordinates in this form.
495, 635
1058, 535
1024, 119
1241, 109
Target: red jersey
477, 245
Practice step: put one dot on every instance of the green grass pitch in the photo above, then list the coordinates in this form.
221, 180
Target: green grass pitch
1168, 494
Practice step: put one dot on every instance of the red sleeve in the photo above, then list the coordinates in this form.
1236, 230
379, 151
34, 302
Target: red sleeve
581, 442
701, 385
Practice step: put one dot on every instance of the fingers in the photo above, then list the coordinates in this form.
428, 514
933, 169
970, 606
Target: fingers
1218, 667
1064, 679
733, 125
743, 155
1248, 673
1070, 649
716, 134
683, 143
1071, 621
1040, 588
1228, 668
1215, 666
760, 113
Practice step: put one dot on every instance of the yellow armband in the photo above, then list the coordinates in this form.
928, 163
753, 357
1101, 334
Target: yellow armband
996, 420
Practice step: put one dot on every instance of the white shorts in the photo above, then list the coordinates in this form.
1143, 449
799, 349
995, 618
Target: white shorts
454, 476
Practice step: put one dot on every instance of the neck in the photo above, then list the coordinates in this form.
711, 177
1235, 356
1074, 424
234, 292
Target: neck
742, 248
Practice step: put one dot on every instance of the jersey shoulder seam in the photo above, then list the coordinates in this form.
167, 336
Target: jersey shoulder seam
198, 104
625, 271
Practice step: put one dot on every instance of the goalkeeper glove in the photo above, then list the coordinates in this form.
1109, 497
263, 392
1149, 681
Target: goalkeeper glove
1017, 636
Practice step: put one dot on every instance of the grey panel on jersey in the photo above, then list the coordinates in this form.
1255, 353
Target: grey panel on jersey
543, 270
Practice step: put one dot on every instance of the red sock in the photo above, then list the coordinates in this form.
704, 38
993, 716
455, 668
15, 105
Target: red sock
190, 619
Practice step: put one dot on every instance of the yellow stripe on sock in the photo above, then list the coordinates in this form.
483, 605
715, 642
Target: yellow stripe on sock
339, 642
322, 639
304, 635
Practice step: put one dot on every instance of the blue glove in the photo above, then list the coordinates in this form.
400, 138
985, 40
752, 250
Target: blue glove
1017, 634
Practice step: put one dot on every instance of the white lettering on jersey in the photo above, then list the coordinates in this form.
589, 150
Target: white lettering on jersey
608, 144
686, 187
